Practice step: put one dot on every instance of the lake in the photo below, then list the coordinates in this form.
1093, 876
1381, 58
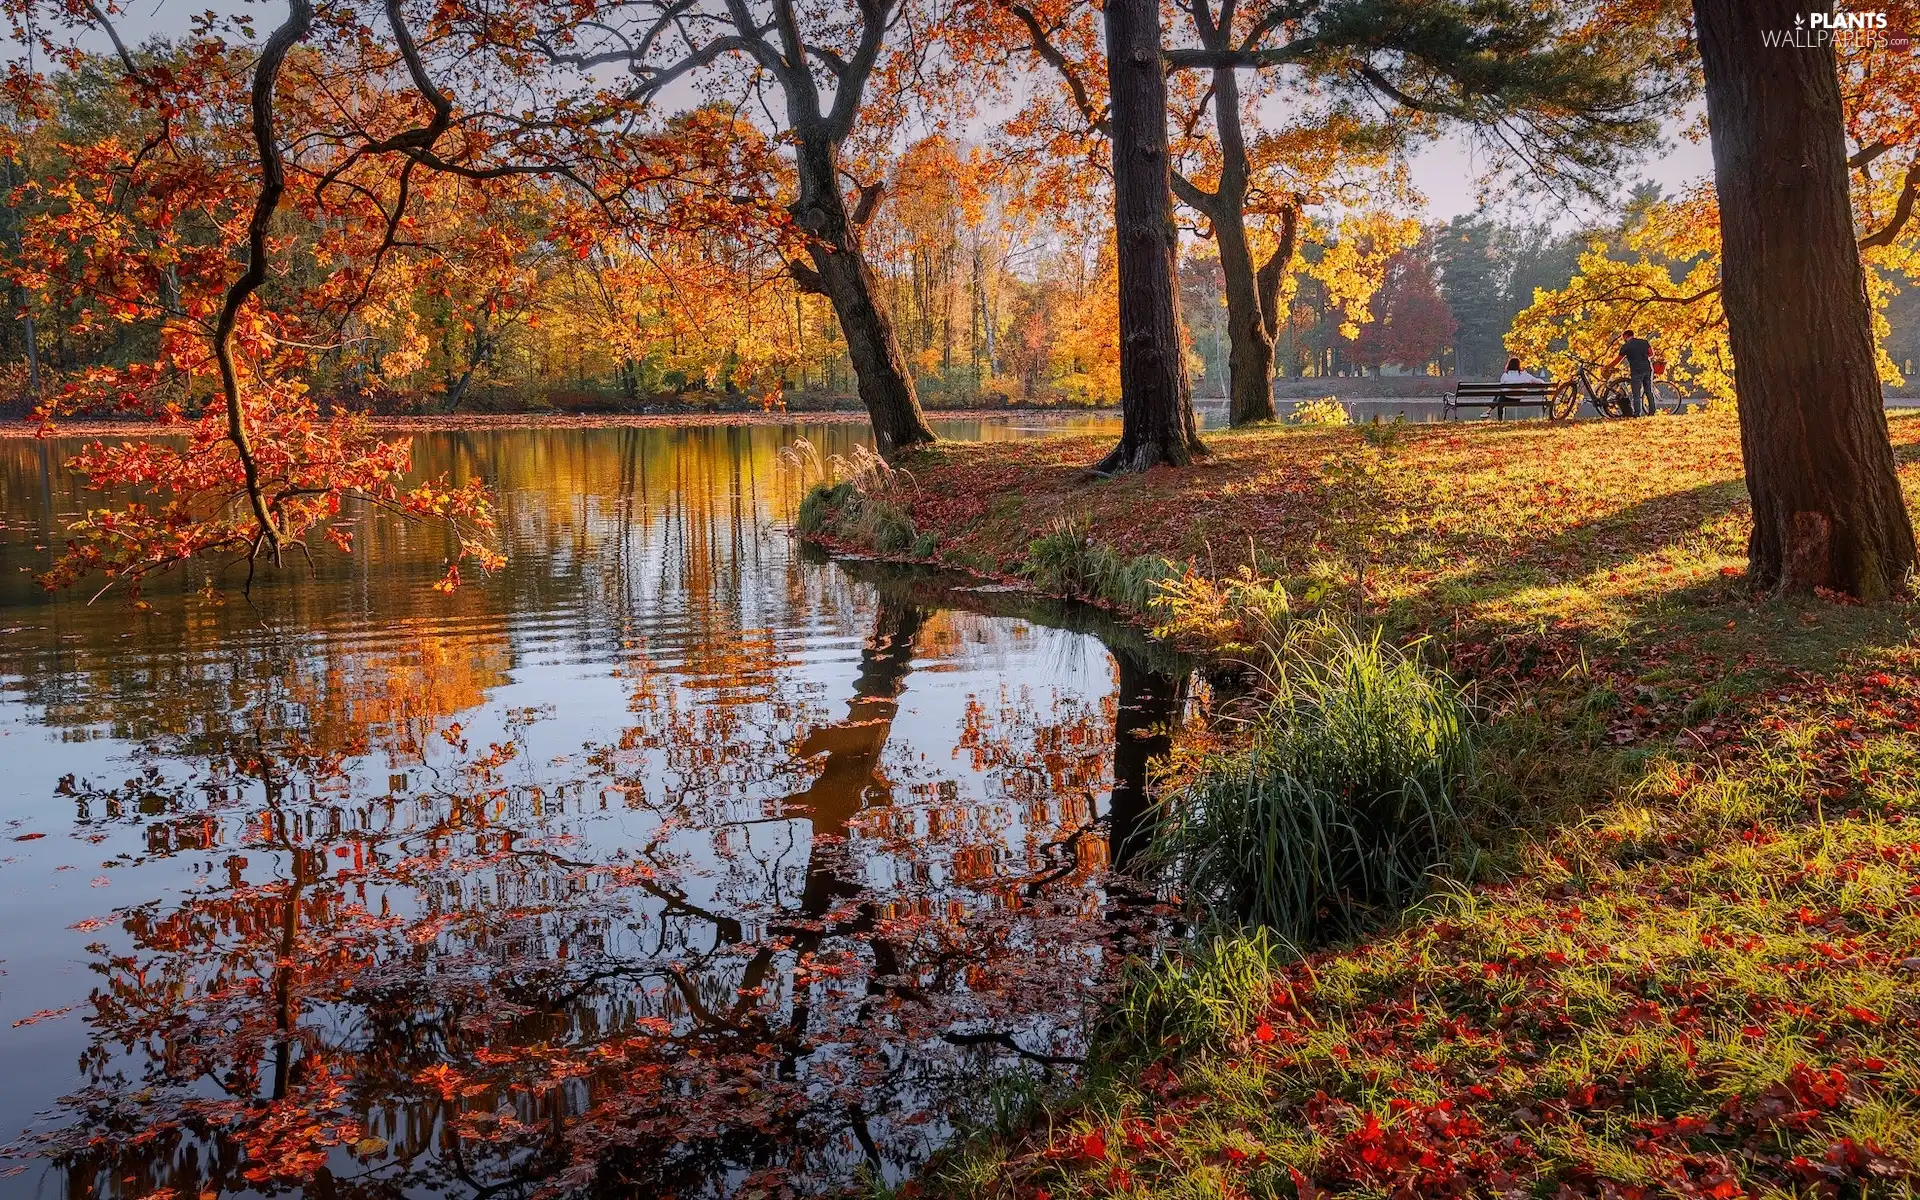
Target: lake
674, 859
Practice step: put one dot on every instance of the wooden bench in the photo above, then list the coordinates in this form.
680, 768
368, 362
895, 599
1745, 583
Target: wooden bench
1497, 398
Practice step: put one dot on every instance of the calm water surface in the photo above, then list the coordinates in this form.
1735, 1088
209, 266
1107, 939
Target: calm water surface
670, 861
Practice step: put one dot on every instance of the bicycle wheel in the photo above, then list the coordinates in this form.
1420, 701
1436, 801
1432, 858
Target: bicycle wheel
1566, 401
1669, 397
1614, 400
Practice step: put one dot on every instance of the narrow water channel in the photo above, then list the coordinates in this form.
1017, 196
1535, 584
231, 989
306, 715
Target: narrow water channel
672, 860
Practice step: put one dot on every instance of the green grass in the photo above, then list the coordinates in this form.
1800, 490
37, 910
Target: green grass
1067, 562
1341, 800
1672, 946
1705, 988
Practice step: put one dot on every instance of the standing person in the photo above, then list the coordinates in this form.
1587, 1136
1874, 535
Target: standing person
1639, 355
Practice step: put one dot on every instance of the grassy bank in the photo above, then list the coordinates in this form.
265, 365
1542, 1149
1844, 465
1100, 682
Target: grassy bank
1683, 958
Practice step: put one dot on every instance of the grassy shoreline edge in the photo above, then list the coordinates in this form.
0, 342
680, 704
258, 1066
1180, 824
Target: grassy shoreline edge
1687, 965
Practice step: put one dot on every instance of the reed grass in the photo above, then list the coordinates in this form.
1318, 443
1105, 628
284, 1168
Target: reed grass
1341, 804
1066, 561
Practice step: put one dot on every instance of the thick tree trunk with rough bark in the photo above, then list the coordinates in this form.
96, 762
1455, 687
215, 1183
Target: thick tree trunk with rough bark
1156, 406
841, 273
1827, 508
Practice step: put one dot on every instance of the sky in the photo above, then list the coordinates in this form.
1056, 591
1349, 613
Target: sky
1447, 172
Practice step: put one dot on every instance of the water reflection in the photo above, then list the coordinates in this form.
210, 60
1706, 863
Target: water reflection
672, 861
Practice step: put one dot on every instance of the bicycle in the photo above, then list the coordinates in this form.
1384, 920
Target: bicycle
1667, 395
1611, 398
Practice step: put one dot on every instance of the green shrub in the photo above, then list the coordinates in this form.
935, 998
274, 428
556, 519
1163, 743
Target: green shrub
842, 510
849, 499
886, 528
1135, 583
820, 505
1341, 804
1063, 560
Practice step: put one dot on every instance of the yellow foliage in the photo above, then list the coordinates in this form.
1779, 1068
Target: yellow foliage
1353, 264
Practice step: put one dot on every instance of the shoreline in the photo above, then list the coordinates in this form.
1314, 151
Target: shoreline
110, 427
1646, 728
106, 427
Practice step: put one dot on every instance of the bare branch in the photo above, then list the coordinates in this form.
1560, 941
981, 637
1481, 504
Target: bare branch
119, 47
1902, 211
273, 183
1042, 45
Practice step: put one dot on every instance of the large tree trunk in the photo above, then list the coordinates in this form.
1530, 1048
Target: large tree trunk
1249, 328
841, 273
1827, 508
1156, 406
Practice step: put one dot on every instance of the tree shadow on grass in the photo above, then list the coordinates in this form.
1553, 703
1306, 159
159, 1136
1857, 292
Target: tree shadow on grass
1591, 548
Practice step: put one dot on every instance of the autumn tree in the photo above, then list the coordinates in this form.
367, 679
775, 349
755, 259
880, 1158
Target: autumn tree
171, 218
1659, 272
1157, 422
809, 70
1411, 325
1827, 506
1558, 96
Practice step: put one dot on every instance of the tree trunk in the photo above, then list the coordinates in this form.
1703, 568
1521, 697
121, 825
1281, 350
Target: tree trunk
1827, 508
841, 273
1157, 423
33, 357
1249, 345
1249, 326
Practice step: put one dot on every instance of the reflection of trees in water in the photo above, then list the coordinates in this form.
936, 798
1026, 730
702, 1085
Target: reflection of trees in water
788, 960
1147, 709
750, 932
618, 536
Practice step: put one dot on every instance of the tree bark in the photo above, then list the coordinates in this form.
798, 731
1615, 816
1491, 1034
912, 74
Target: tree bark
1249, 344
1253, 294
1827, 507
842, 274
1157, 424
1250, 327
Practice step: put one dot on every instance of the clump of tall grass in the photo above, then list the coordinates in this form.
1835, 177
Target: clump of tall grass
1204, 995
1340, 805
848, 497
1067, 561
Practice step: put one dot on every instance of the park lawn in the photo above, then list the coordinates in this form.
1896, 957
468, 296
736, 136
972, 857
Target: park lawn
1686, 961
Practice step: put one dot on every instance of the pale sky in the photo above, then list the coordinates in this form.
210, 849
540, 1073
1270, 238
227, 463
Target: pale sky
1447, 173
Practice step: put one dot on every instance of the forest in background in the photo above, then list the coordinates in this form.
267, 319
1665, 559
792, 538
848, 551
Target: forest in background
999, 275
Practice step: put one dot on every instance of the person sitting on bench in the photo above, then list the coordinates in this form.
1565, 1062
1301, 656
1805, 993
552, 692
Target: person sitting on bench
1514, 374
